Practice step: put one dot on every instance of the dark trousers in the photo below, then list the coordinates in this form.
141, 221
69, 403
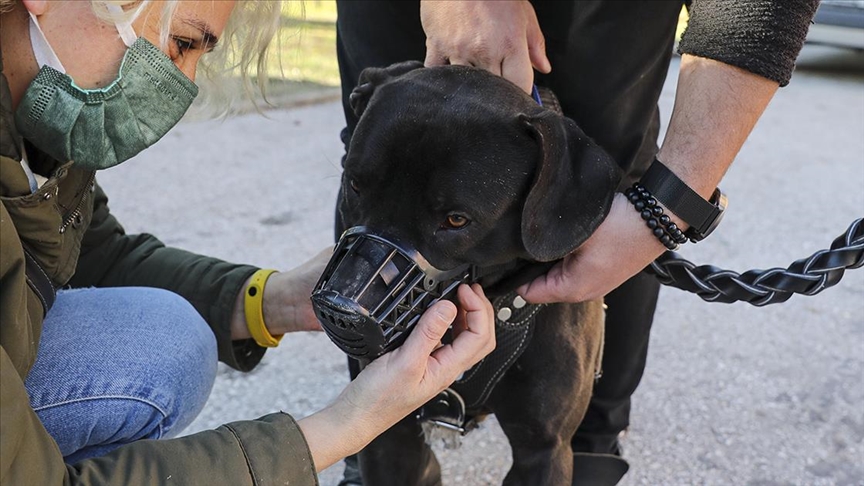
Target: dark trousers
609, 63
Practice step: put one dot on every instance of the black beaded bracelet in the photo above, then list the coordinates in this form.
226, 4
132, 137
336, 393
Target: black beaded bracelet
660, 224
675, 233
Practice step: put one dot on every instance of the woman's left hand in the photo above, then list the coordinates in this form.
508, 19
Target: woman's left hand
287, 303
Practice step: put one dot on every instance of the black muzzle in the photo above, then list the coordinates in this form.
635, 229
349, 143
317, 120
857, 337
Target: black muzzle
374, 291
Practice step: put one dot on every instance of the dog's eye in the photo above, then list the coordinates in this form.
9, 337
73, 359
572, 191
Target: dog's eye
354, 186
455, 220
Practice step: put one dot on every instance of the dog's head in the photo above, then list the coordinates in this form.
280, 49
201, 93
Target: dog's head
466, 168
455, 174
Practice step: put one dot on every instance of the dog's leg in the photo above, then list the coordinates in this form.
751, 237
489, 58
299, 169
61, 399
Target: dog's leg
541, 452
543, 398
399, 457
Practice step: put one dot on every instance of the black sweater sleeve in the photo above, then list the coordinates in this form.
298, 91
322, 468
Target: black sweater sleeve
761, 36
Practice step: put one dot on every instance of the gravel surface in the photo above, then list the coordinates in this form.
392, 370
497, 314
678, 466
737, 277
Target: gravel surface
732, 394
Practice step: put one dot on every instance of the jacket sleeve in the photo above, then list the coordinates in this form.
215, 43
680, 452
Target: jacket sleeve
269, 450
760, 36
111, 258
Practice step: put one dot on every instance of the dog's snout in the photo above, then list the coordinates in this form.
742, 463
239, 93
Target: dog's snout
347, 324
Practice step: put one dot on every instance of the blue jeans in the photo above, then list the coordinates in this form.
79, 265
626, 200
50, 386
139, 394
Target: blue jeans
116, 365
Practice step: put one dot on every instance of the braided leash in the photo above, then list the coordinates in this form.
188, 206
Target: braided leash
762, 287
758, 287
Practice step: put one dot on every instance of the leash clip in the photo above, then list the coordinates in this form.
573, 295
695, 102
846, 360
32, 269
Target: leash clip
443, 418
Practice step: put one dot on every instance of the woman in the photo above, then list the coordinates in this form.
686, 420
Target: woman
128, 351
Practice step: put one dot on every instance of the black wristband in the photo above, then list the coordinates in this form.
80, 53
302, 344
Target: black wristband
702, 216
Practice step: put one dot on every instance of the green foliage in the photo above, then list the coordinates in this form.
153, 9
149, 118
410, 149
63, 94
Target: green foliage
306, 50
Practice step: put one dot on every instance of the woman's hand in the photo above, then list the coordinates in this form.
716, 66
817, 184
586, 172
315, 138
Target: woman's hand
402, 380
502, 37
410, 375
287, 303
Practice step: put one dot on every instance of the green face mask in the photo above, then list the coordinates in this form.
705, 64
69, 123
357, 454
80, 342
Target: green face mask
100, 128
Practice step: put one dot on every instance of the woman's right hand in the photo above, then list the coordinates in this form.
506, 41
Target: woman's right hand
402, 380
412, 374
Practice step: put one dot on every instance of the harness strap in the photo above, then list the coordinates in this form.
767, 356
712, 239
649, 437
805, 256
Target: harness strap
39, 281
448, 416
514, 328
452, 413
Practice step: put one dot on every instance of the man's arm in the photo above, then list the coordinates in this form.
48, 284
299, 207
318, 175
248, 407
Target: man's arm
716, 108
734, 57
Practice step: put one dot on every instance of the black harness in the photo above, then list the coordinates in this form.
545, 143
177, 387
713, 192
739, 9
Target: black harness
460, 408
456, 409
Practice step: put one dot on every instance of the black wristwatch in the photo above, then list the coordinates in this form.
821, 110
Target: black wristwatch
702, 216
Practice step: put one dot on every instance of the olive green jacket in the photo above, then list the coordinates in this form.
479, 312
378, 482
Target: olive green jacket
68, 229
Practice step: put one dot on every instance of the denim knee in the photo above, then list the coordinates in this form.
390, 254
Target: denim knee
188, 360
121, 364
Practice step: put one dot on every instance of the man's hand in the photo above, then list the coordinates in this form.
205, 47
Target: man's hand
402, 380
502, 37
716, 107
620, 248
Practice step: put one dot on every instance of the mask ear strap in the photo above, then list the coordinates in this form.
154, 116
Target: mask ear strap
124, 27
42, 50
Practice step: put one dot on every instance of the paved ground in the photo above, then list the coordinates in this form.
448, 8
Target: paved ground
733, 394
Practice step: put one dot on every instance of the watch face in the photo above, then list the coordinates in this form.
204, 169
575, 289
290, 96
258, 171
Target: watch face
719, 201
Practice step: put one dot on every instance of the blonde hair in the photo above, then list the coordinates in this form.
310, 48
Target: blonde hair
242, 50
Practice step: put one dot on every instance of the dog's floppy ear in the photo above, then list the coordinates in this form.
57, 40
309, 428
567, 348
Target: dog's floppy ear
572, 191
371, 78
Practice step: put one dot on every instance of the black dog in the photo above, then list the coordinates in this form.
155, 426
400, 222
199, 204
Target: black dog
466, 168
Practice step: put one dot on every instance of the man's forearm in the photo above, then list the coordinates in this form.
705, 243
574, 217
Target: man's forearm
716, 107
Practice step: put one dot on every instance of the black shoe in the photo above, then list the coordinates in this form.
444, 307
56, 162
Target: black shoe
592, 469
599, 469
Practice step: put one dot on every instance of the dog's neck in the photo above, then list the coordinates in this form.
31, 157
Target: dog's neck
502, 279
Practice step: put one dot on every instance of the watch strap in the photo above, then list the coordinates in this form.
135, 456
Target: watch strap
677, 196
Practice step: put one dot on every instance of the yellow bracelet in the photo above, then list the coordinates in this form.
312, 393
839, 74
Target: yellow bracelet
253, 305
